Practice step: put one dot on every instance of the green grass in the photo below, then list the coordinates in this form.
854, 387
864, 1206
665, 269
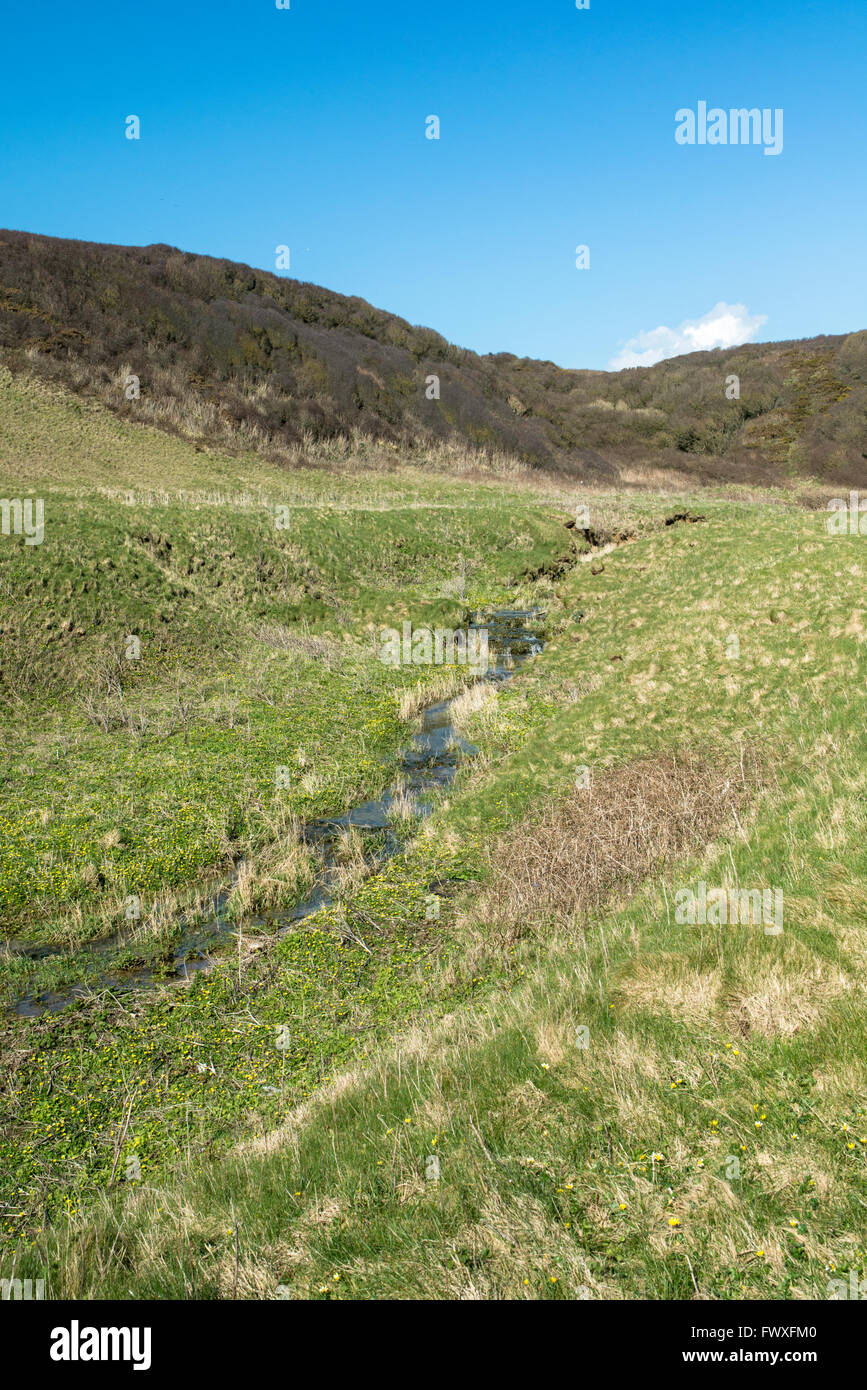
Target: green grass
174, 754
148, 778
300, 1170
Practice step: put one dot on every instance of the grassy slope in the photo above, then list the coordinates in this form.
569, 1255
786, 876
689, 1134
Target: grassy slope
565, 1171
148, 777
173, 755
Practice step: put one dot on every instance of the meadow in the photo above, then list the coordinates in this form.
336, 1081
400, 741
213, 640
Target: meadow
551, 1087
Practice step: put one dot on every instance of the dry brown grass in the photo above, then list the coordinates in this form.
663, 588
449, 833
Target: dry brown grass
402, 806
672, 984
325, 649
275, 876
610, 836
478, 701
350, 866
441, 686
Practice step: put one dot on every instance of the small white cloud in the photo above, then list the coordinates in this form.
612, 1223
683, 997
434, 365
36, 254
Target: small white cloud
723, 326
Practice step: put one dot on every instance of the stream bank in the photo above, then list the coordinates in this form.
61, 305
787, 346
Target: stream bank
428, 765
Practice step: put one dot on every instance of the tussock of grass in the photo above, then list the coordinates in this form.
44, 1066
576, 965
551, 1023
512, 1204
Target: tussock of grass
276, 877
476, 706
440, 686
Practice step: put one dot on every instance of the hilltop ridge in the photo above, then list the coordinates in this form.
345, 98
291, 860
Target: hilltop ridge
230, 355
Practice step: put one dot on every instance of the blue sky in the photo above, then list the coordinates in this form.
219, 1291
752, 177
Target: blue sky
306, 127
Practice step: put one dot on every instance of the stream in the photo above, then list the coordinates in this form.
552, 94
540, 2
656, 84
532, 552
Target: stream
427, 765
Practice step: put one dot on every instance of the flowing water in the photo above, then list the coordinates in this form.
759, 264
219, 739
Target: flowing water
427, 766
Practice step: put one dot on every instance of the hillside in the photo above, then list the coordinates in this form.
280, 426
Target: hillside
229, 356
